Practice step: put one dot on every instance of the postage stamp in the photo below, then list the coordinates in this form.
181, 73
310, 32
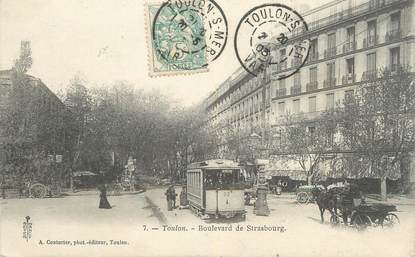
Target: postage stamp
184, 36
264, 38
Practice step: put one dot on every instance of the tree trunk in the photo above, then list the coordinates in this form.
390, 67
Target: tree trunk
309, 180
383, 191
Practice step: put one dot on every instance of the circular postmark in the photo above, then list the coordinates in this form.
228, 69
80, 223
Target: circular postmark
263, 40
189, 34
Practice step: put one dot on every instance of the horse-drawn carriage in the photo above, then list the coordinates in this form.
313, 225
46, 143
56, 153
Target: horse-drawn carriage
304, 193
347, 206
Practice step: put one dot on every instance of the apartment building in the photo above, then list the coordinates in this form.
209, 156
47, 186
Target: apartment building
348, 46
350, 42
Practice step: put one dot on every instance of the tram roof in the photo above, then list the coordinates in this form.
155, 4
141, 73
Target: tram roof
215, 164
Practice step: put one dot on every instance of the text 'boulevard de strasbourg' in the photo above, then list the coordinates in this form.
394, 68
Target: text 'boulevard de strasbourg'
225, 228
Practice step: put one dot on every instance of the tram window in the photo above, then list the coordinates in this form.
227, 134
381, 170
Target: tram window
223, 179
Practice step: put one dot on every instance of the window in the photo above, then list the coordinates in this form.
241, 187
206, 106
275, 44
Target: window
330, 71
314, 49
350, 35
371, 33
394, 58
395, 21
331, 42
329, 101
331, 46
350, 66
312, 104
297, 79
371, 62
313, 74
282, 83
281, 108
296, 106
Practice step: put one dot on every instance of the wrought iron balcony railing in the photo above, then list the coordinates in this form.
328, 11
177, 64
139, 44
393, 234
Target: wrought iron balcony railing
311, 86
349, 46
296, 89
393, 35
330, 82
349, 13
330, 52
369, 75
281, 92
295, 62
312, 57
282, 66
370, 41
349, 79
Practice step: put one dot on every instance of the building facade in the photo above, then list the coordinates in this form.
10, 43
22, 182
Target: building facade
350, 42
33, 128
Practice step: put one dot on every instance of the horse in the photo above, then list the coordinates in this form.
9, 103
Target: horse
325, 200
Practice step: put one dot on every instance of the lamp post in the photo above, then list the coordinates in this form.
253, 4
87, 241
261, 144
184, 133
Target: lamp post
261, 205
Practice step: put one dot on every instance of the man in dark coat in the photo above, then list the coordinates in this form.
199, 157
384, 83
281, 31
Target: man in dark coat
171, 198
103, 201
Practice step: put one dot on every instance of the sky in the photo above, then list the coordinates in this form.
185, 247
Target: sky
105, 41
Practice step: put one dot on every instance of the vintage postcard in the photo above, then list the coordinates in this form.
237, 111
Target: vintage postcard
207, 128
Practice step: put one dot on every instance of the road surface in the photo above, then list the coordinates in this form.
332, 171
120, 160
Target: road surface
140, 225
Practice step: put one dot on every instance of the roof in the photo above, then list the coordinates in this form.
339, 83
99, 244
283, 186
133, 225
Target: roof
215, 164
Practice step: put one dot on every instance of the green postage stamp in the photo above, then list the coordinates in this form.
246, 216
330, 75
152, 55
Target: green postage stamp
184, 36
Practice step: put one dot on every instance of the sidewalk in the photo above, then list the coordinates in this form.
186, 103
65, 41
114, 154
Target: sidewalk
96, 192
393, 199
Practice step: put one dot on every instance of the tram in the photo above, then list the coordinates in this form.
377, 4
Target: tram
215, 188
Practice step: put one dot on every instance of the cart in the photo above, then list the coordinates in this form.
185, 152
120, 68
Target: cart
359, 214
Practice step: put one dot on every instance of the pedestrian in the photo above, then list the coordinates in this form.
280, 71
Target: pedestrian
171, 198
183, 198
103, 201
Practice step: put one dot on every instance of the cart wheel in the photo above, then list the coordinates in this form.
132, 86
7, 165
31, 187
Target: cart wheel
390, 220
334, 220
303, 197
361, 221
37, 191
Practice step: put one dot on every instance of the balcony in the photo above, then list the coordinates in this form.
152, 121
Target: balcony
393, 35
330, 82
296, 62
361, 9
296, 89
374, 4
282, 66
330, 52
393, 69
348, 79
369, 75
281, 92
370, 41
312, 57
311, 86
349, 47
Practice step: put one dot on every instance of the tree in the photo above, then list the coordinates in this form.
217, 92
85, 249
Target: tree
307, 141
377, 122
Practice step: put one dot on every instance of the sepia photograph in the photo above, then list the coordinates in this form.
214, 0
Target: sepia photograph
224, 128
